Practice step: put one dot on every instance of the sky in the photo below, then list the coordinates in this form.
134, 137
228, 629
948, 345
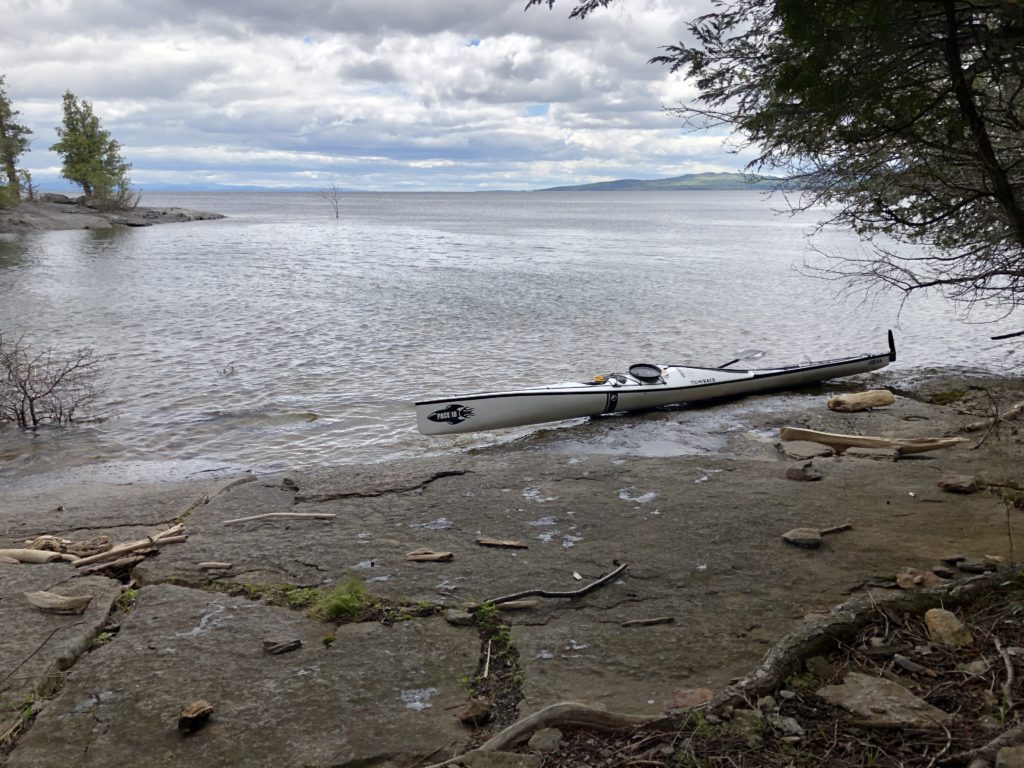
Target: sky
375, 95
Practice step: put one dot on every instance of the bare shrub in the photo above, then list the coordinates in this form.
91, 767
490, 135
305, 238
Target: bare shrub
46, 387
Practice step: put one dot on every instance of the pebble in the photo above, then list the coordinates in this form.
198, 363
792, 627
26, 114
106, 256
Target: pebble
805, 472
809, 538
959, 484
945, 628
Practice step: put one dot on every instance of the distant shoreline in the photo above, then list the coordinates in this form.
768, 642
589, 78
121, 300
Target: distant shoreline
53, 213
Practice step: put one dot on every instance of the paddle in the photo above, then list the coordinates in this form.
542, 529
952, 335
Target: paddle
746, 354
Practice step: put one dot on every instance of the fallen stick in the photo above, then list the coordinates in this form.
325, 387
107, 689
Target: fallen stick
1010, 415
840, 443
164, 537
571, 595
313, 515
836, 529
502, 543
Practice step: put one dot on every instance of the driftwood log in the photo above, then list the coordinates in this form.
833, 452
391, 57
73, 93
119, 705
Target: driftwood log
49, 602
861, 401
902, 445
35, 556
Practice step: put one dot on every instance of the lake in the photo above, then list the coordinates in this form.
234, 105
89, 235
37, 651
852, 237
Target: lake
284, 337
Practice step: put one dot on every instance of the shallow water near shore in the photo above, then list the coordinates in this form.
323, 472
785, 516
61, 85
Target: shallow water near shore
282, 337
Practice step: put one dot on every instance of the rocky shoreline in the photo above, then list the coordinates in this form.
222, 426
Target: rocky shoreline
59, 212
336, 617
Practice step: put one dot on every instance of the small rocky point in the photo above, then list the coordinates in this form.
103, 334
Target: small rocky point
53, 211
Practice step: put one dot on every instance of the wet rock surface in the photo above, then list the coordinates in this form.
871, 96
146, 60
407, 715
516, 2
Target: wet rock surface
709, 587
51, 214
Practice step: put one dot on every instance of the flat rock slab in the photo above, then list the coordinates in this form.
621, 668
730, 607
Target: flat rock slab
86, 510
377, 695
36, 647
883, 702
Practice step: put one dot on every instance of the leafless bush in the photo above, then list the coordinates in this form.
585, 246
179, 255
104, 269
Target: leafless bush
46, 387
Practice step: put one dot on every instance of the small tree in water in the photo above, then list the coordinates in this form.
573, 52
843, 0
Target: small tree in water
92, 159
45, 387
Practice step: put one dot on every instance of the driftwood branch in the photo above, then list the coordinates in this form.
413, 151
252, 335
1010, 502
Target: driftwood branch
570, 595
314, 515
36, 556
842, 442
1010, 415
170, 536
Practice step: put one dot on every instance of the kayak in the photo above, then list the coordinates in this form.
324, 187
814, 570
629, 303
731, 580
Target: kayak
646, 385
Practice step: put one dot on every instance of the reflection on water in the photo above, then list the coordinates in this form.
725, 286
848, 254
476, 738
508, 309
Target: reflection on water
284, 337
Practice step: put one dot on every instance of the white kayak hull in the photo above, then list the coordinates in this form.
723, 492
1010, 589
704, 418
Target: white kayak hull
675, 386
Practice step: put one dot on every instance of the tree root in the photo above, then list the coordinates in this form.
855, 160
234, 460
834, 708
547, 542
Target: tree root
561, 715
842, 623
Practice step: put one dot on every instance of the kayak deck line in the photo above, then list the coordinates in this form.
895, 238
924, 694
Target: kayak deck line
653, 386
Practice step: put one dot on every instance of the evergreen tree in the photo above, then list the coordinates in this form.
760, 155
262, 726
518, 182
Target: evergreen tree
91, 157
13, 143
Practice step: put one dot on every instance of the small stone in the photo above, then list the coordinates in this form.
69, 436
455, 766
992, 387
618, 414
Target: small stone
747, 719
974, 565
766, 703
874, 454
1010, 757
684, 698
546, 740
976, 667
194, 716
459, 618
277, 647
802, 450
911, 578
476, 712
809, 538
805, 472
959, 484
953, 559
882, 701
787, 695
943, 572
787, 725
945, 628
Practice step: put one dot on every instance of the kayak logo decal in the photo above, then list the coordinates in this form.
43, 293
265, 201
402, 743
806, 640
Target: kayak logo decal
452, 414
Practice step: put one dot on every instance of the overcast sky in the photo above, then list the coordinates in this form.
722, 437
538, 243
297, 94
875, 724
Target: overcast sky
365, 94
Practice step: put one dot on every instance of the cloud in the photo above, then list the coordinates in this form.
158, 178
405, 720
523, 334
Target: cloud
371, 95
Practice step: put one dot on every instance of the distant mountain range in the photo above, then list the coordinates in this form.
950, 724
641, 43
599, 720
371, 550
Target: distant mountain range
690, 181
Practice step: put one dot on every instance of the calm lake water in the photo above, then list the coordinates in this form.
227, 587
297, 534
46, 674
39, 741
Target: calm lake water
282, 337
